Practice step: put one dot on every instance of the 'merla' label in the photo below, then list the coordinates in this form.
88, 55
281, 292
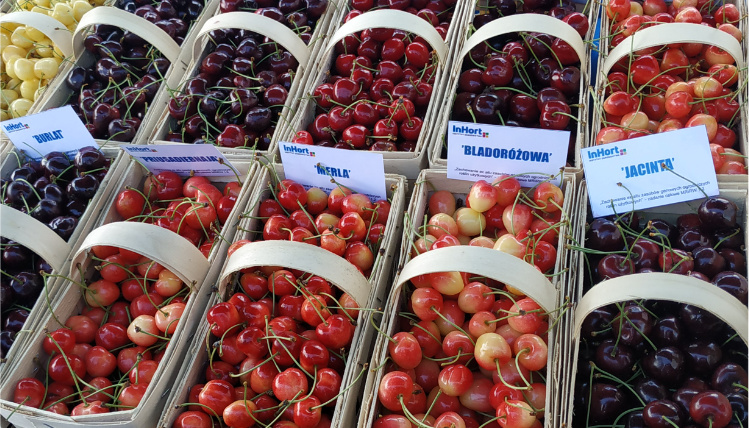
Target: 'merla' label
328, 168
512, 154
333, 172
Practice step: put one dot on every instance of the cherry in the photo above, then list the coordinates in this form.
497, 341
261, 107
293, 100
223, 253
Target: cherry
395, 388
710, 408
662, 413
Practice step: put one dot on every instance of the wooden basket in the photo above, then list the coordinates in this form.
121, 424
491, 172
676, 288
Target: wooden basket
40, 239
134, 175
640, 286
193, 54
663, 34
13, 159
189, 265
47, 245
368, 293
408, 164
653, 286
50, 27
519, 22
58, 93
481, 261
165, 247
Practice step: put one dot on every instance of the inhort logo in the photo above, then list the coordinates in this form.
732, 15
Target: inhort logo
140, 149
469, 132
13, 127
604, 153
298, 151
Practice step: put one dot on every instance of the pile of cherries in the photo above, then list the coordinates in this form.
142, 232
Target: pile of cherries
660, 364
55, 191
676, 86
501, 216
708, 245
237, 96
278, 353
437, 12
467, 346
343, 222
104, 358
526, 79
193, 208
380, 85
644, 362
173, 16
112, 96
494, 9
299, 15
21, 284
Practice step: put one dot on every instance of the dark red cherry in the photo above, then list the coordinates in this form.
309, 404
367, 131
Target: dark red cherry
717, 213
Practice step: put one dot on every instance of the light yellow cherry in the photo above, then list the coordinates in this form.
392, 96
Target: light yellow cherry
40, 91
80, 7
19, 38
4, 115
11, 51
4, 38
45, 68
42, 10
7, 96
24, 68
44, 49
13, 84
10, 68
27, 5
29, 87
10, 27
20, 107
35, 34
63, 13
57, 53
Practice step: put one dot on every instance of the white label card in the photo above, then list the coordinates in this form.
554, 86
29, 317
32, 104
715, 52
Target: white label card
649, 171
183, 159
476, 151
313, 166
55, 130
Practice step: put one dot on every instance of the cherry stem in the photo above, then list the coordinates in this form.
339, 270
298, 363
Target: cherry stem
213, 412
489, 421
517, 366
344, 390
417, 325
605, 375
46, 292
371, 321
501, 378
18, 407
459, 328
254, 367
410, 416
